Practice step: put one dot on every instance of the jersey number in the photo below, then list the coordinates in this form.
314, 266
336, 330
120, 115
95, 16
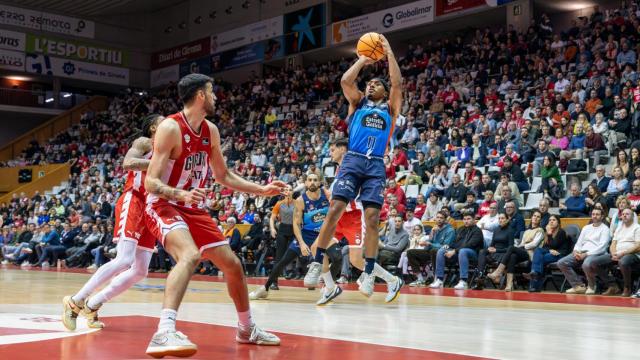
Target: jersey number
371, 143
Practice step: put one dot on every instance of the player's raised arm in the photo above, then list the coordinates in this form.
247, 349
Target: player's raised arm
134, 159
166, 139
395, 78
348, 81
229, 179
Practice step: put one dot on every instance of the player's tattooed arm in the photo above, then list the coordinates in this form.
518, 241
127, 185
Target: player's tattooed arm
157, 187
167, 138
134, 159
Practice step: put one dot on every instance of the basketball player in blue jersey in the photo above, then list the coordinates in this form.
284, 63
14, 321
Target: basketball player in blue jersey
371, 119
311, 208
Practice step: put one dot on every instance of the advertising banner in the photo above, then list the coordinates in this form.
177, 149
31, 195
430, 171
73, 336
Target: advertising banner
395, 18
31, 19
444, 7
76, 50
11, 60
12, 40
196, 66
246, 35
46, 65
242, 56
176, 55
164, 75
304, 29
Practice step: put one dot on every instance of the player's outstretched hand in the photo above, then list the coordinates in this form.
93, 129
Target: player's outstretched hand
385, 44
275, 188
365, 59
195, 196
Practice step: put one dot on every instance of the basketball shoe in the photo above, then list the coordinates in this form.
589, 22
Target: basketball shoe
328, 295
312, 277
366, 284
259, 293
170, 343
92, 317
70, 311
255, 335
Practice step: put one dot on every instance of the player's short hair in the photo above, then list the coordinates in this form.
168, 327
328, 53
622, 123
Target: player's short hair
342, 142
190, 84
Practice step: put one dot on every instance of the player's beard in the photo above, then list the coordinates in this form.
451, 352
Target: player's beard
210, 108
313, 188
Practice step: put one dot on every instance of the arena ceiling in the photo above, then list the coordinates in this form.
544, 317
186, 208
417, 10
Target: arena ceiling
95, 8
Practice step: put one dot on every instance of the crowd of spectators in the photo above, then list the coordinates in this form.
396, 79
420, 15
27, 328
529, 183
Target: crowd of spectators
490, 120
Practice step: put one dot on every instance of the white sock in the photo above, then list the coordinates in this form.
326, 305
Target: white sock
244, 319
328, 280
383, 274
420, 277
96, 301
167, 320
123, 261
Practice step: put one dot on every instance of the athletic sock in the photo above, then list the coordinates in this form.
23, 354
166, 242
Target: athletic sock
96, 301
369, 264
167, 320
244, 319
319, 254
76, 300
328, 280
383, 274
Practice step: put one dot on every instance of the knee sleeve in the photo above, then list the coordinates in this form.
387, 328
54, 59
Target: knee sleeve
335, 258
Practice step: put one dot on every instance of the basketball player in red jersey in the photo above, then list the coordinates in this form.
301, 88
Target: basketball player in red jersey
135, 243
187, 149
350, 226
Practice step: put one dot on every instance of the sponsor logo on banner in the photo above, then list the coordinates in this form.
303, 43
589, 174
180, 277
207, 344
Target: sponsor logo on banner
76, 50
395, 18
10, 15
164, 75
444, 7
12, 40
247, 34
192, 50
11, 60
196, 66
304, 29
242, 56
46, 65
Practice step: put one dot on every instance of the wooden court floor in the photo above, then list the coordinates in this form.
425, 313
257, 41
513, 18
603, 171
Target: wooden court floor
421, 324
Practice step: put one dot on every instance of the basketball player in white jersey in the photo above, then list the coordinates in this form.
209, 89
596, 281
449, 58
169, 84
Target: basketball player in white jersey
135, 243
186, 150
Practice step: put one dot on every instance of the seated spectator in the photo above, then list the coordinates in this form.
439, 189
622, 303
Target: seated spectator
552, 185
622, 203
593, 197
601, 180
455, 195
594, 147
576, 145
515, 174
593, 241
555, 246
507, 197
501, 240
469, 241
391, 203
634, 197
417, 240
395, 242
542, 152
410, 221
421, 207
617, 186
523, 251
395, 189
485, 206
439, 181
575, 205
433, 207
506, 183
442, 234
559, 142
509, 154
469, 206
516, 220
543, 207
232, 235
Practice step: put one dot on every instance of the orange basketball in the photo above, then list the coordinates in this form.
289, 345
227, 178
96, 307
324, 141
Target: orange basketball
369, 45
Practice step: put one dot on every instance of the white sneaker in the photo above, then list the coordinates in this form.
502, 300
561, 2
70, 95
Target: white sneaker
366, 286
590, 291
25, 263
255, 335
359, 281
92, 267
45, 265
462, 285
171, 343
393, 289
436, 284
259, 293
5, 262
328, 296
312, 277
342, 280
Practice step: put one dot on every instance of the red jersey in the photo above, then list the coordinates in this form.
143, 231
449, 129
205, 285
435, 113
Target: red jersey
191, 168
135, 180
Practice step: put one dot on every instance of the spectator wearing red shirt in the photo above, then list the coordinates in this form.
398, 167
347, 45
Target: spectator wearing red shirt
421, 207
389, 169
391, 202
484, 206
400, 158
396, 190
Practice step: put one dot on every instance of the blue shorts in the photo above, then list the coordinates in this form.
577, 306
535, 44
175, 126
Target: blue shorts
360, 175
309, 237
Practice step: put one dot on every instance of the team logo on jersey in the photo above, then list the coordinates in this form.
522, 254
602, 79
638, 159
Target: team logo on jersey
374, 121
319, 217
187, 138
205, 141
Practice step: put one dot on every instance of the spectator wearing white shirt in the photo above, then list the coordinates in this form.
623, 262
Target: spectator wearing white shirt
593, 241
237, 200
489, 223
561, 84
411, 134
505, 85
434, 205
258, 158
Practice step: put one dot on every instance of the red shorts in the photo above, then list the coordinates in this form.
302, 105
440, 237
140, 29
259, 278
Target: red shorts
350, 227
130, 221
163, 218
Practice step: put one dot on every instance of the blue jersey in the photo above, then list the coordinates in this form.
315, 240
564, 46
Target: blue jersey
370, 128
314, 212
